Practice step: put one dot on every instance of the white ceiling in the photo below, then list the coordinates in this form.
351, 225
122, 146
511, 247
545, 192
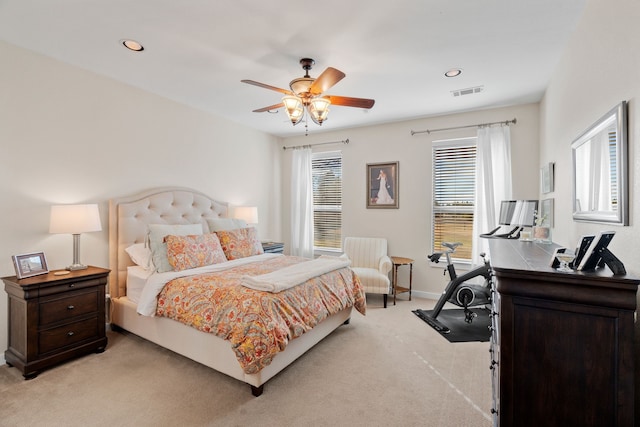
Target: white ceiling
396, 52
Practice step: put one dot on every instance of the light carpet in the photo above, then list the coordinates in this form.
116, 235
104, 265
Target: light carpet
385, 368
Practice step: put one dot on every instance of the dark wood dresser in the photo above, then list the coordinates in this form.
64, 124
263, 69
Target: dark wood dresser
55, 318
563, 343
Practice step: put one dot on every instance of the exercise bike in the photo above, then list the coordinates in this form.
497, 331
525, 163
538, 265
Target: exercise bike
457, 291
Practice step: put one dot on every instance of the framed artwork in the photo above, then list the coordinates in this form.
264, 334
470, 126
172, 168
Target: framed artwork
546, 178
28, 265
546, 213
382, 185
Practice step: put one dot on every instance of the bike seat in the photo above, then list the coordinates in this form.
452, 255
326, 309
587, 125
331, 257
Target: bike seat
451, 246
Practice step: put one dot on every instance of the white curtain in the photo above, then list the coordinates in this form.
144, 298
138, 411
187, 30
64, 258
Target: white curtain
301, 204
493, 183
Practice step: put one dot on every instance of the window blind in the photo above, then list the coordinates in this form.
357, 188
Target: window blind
327, 200
453, 195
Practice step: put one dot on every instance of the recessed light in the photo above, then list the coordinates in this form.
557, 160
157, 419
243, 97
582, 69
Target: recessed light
454, 72
132, 45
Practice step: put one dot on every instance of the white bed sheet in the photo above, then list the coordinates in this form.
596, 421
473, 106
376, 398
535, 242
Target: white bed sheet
136, 279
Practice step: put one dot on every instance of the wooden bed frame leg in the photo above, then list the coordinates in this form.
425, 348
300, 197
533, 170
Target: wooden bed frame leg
257, 391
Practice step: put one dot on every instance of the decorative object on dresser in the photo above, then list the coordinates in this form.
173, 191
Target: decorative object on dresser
55, 318
75, 219
273, 247
28, 265
562, 342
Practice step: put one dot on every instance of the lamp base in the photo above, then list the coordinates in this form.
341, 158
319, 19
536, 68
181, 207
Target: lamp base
75, 267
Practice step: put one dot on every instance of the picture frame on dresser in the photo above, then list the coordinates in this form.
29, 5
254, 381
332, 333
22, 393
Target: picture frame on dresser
28, 265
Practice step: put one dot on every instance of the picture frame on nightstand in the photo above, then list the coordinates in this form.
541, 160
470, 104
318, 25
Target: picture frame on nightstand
28, 265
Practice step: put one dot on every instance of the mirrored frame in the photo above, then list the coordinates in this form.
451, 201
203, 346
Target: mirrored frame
600, 170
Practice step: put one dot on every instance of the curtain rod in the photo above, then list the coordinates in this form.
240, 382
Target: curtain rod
296, 147
505, 123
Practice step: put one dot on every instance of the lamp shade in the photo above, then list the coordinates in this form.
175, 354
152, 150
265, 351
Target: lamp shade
247, 213
74, 219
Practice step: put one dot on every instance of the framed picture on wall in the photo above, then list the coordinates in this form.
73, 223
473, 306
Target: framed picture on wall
546, 178
382, 185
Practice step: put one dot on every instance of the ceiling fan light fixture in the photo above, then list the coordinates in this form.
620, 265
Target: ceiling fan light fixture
294, 108
319, 109
301, 86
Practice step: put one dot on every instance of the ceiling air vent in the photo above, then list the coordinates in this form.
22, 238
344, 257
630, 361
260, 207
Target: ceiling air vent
467, 91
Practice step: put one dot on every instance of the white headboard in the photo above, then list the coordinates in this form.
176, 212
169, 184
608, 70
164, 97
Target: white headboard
129, 217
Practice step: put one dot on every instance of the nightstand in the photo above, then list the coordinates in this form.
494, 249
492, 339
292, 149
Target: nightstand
55, 318
273, 247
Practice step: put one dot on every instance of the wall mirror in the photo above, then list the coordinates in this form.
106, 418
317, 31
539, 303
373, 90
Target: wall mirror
600, 177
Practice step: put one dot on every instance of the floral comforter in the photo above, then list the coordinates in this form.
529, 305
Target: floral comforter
258, 324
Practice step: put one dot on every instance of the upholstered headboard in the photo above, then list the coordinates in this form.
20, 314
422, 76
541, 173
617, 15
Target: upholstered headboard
130, 216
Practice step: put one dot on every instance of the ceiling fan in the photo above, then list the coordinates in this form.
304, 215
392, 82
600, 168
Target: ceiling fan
307, 93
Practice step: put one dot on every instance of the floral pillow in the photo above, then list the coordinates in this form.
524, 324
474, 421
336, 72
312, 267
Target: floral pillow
185, 252
157, 234
240, 243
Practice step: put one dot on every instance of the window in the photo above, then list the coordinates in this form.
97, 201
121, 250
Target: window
454, 164
327, 200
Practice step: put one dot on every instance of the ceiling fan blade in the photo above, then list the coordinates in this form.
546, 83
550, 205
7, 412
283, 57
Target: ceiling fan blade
277, 89
269, 108
326, 80
351, 102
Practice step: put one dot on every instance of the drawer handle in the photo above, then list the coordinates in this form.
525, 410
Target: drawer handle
70, 334
70, 307
72, 285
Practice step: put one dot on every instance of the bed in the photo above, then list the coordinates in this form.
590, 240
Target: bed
130, 219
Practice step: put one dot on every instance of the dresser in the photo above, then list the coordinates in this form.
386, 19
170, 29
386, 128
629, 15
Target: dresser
562, 344
55, 318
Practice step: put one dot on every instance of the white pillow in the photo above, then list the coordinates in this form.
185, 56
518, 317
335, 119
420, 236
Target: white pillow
157, 233
140, 254
225, 224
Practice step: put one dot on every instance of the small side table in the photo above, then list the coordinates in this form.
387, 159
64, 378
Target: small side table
397, 262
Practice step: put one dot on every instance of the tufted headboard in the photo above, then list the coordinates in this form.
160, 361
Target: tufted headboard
129, 217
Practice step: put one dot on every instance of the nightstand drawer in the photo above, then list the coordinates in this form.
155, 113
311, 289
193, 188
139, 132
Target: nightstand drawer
67, 308
68, 287
66, 335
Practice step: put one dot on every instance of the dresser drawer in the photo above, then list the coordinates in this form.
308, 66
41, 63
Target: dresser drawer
71, 286
67, 335
68, 307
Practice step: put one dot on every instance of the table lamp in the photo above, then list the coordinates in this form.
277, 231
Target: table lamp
75, 219
247, 213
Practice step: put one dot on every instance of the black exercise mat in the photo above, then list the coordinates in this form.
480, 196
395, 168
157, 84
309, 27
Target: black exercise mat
459, 330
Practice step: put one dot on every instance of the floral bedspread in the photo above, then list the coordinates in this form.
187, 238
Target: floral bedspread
258, 324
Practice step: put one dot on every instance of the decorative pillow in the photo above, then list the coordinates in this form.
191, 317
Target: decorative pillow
157, 233
186, 252
240, 243
140, 254
225, 224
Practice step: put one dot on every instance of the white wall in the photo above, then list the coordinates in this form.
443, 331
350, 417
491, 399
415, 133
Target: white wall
407, 229
70, 136
599, 69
